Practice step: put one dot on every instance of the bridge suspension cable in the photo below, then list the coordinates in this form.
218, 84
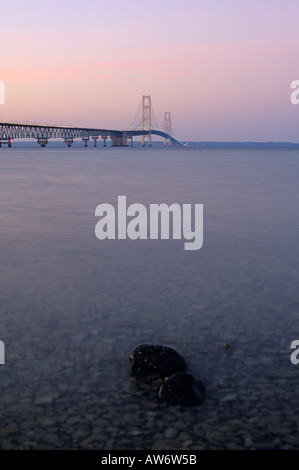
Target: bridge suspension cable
136, 123
145, 119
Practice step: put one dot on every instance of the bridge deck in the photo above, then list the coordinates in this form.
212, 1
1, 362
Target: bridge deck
41, 132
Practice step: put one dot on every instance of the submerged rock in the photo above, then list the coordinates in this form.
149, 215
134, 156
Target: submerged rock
150, 359
182, 389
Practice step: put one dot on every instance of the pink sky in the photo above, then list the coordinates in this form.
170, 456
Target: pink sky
223, 68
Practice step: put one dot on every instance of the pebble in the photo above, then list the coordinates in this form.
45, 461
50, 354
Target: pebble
74, 420
44, 400
81, 433
158, 445
230, 397
187, 444
50, 439
171, 433
248, 442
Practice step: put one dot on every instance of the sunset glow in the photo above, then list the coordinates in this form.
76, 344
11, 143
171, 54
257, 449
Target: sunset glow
223, 69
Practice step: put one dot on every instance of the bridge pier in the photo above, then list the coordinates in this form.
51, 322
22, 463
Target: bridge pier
104, 137
149, 140
42, 141
95, 138
85, 139
131, 141
119, 140
69, 141
5, 142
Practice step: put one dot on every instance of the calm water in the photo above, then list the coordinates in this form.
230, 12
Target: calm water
72, 307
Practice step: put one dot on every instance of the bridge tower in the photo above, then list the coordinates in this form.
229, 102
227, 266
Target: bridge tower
167, 127
147, 118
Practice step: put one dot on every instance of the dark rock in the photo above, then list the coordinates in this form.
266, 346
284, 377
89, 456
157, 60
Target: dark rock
150, 359
182, 389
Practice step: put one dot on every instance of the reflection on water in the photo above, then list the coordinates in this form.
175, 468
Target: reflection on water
72, 307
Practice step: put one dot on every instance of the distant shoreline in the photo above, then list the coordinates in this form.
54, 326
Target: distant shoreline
243, 144
203, 145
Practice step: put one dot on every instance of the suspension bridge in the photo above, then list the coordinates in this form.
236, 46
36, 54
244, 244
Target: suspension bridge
144, 125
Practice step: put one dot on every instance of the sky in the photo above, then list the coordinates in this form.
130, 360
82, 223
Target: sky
223, 68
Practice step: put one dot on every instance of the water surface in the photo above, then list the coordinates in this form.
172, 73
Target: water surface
72, 307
